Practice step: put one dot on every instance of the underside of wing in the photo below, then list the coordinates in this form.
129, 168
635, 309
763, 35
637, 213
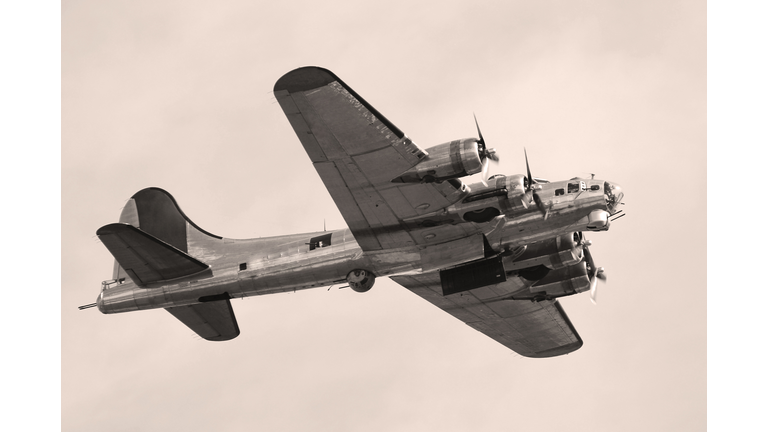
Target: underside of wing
147, 259
213, 321
531, 329
358, 152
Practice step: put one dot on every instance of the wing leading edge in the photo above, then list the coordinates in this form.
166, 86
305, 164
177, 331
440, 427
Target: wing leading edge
531, 329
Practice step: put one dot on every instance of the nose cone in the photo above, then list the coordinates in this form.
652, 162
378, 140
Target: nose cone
613, 196
614, 187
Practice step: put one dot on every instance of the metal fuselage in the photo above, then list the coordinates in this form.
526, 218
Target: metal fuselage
243, 268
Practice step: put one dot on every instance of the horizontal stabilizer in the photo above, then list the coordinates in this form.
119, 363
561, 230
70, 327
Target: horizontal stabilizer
147, 259
213, 321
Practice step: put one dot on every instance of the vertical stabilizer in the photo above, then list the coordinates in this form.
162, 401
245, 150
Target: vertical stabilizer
155, 211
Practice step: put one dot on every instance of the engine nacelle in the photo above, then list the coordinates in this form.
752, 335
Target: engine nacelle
556, 253
360, 280
566, 281
446, 161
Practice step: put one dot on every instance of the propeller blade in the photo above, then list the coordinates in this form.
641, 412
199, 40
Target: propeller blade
526, 199
485, 153
596, 272
484, 174
531, 189
528, 168
480, 134
491, 154
601, 275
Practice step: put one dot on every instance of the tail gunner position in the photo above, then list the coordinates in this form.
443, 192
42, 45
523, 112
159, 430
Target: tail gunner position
495, 254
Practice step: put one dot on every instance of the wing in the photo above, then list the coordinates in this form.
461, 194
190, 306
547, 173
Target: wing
147, 259
531, 329
213, 321
357, 152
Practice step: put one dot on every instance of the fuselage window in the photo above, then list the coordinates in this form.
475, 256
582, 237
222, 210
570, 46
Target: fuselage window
559, 192
573, 187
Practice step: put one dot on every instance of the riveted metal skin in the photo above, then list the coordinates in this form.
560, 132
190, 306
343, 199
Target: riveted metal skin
286, 263
446, 161
479, 251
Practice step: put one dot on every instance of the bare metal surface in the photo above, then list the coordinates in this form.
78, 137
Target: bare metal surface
409, 231
452, 253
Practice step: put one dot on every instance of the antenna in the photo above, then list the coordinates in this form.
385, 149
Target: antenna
323, 224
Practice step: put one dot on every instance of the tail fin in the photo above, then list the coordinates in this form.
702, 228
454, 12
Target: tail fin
156, 212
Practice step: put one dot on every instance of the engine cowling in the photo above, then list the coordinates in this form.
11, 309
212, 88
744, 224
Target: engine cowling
565, 281
555, 253
446, 161
360, 280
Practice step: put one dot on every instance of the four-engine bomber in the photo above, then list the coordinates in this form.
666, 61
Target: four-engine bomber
494, 254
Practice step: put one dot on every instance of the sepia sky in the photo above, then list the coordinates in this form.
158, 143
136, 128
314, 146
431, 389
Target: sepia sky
178, 95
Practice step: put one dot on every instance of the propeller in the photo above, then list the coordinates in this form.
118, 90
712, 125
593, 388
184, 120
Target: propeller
593, 271
485, 153
530, 191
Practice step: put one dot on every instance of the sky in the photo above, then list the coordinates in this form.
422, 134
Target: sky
178, 95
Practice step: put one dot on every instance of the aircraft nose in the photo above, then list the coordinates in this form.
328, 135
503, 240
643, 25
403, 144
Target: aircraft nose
613, 196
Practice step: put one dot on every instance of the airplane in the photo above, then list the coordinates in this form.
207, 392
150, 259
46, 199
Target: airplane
495, 254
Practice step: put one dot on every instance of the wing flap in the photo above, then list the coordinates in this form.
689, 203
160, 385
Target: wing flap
213, 321
531, 329
146, 258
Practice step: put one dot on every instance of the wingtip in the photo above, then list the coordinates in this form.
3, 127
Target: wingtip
555, 352
305, 78
112, 228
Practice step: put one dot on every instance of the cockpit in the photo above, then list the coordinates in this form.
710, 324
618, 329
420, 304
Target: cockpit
613, 196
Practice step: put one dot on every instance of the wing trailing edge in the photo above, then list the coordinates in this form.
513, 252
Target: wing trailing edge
531, 329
